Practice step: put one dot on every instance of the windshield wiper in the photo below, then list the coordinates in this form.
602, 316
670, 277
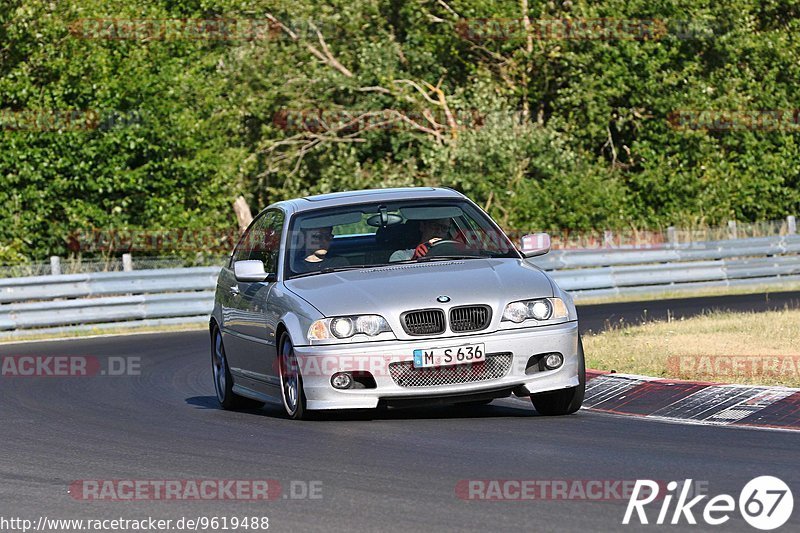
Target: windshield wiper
427, 259
329, 270
447, 258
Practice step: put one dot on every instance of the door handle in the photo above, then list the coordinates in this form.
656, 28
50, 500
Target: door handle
234, 289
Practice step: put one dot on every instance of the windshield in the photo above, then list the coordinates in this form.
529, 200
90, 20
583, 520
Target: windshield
368, 235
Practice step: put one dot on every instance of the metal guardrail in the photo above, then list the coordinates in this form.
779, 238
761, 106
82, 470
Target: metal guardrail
697, 251
698, 265
105, 283
184, 295
106, 297
94, 310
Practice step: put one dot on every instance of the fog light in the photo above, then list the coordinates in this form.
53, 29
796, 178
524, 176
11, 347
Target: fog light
342, 380
553, 361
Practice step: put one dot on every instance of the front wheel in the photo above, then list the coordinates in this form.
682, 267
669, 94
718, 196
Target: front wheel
566, 401
294, 399
223, 382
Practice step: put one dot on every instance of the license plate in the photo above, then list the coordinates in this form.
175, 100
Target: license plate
457, 355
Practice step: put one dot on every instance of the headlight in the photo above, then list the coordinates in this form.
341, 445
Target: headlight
540, 309
343, 327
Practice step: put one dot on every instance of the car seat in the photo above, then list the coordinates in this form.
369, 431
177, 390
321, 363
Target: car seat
389, 239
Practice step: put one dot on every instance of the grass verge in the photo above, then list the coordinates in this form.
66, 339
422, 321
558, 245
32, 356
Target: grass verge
689, 293
725, 347
66, 334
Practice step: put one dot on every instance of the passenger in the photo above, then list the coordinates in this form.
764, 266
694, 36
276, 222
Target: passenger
431, 232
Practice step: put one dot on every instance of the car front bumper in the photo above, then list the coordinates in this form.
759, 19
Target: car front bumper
317, 365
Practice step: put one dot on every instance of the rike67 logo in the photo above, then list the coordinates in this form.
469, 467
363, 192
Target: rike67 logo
765, 503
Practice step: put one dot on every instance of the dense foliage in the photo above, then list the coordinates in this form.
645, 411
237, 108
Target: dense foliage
306, 96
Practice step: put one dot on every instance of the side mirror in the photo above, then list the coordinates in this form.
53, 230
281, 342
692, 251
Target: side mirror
535, 244
251, 270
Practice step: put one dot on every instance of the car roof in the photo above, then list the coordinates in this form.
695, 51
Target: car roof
307, 203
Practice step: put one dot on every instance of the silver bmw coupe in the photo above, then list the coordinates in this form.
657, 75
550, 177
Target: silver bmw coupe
390, 297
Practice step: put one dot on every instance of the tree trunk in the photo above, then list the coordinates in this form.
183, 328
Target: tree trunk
243, 214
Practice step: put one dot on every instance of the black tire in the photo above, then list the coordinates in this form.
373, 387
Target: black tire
566, 401
292, 394
223, 381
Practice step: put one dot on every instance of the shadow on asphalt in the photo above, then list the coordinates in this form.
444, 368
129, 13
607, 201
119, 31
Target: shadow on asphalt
204, 402
494, 410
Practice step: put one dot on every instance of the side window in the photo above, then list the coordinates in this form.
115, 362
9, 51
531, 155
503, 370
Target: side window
268, 240
262, 241
248, 241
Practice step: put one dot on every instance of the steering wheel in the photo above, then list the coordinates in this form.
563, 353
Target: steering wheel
443, 241
442, 246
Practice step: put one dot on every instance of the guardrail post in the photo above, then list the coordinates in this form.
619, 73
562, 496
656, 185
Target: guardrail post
55, 265
790, 222
608, 239
127, 262
732, 232
672, 238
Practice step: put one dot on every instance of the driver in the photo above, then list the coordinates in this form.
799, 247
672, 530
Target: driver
313, 255
431, 232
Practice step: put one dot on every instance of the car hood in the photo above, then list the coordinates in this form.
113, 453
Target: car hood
398, 288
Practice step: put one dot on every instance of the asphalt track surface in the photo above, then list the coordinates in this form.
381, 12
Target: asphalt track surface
390, 471
601, 316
